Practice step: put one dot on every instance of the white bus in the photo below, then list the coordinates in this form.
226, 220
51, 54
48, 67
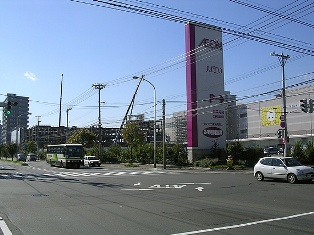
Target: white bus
65, 155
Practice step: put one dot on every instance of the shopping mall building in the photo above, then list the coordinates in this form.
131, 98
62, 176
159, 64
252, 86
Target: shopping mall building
256, 124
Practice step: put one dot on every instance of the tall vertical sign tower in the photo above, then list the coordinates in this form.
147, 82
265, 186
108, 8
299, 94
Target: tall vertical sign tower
206, 122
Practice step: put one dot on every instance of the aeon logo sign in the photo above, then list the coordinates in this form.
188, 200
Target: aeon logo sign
212, 132
211, 43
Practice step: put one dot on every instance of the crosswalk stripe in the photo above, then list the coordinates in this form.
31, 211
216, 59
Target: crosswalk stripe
19, 175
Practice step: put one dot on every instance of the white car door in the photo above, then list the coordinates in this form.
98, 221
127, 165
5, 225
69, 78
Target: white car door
266, 167
279, 170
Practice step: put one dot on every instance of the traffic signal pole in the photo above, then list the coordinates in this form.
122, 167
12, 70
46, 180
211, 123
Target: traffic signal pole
282, 59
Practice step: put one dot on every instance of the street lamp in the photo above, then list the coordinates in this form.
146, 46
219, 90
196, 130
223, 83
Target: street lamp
67, 131
155, 104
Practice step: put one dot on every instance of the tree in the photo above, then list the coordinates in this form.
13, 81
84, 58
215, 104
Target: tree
236, 150
94, 151
298, 152
30, 147
133, 135
309, 153
12, 149
3, 151
84, 137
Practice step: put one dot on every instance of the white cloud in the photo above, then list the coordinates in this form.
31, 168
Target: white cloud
30, 76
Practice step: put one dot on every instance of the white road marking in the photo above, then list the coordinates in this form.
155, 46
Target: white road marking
245, 224
167, 186
194, 183
137, 189
200, 189
120, 173
93, 174
4, 227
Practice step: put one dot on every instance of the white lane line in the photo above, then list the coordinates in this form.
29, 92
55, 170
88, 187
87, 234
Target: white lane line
137, 189
246, 224
120, 173
195, 183
94, 174
5, 229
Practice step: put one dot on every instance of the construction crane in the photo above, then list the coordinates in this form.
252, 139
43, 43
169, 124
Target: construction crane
129, 110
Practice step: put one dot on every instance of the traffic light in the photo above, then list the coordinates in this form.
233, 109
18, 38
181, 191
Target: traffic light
311, 105
8, 110
9, 106
281, 133
304, 106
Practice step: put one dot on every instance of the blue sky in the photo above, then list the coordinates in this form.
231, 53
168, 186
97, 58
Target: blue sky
42, 39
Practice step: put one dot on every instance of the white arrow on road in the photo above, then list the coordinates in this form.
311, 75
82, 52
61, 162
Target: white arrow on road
139, 183
200, 189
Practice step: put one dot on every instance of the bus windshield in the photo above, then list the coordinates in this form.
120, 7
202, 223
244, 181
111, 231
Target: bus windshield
74, 151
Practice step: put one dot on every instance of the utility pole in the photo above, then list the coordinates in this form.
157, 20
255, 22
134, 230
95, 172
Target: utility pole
37, 133
99, 87
164, 132
60, 106
282, 59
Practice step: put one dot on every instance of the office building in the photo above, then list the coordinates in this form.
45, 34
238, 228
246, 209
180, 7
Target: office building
18, 117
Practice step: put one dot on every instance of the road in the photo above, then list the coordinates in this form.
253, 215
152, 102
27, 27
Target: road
38, 199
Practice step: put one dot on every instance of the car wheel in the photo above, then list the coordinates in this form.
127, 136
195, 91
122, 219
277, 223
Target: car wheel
259, 176
292, 178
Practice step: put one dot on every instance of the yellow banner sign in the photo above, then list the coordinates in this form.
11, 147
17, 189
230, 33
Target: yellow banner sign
271, 116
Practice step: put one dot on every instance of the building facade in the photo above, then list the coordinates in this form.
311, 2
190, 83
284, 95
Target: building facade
175, 128
18, 118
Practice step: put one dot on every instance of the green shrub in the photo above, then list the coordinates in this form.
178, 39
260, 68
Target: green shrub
206, 162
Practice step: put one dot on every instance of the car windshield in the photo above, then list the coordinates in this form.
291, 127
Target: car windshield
92, 158
291, 162
273, 150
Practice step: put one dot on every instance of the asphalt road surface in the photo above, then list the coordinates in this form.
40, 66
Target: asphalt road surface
38, 199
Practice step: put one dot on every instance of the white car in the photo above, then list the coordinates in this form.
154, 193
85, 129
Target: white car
91, 161
287, 168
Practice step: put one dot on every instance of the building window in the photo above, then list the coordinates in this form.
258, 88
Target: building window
243, 115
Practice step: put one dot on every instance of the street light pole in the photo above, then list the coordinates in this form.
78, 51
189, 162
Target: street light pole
66, 135
282, 59
155, 104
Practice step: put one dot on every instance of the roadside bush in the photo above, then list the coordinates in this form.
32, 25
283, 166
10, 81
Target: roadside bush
113, 154
250, 156
144, 154
206, 162
177, 155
